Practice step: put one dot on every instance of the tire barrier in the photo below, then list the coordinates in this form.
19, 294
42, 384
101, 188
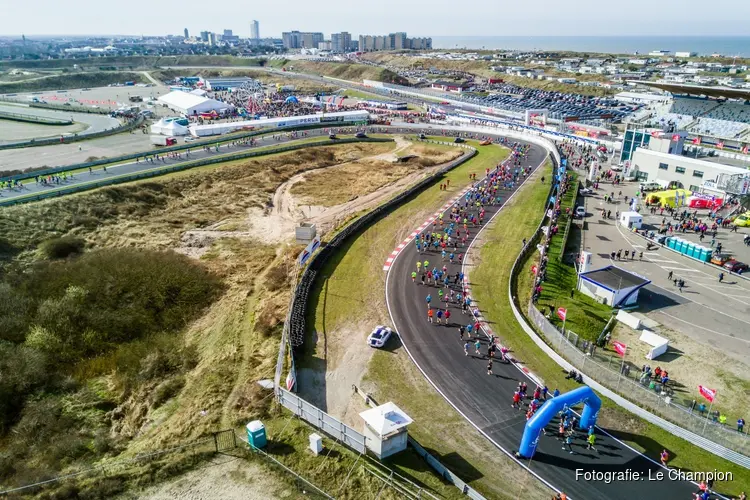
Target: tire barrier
298, 321
177, 168
66, 139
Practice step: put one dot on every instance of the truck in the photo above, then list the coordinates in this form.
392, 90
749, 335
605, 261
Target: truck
130, 84
162, 140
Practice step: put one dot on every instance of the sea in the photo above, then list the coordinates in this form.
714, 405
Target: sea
729, 46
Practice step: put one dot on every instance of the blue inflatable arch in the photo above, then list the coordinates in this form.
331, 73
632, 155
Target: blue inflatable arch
552, 407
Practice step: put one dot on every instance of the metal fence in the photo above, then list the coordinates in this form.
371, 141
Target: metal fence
177, 168
624, 378
323, 421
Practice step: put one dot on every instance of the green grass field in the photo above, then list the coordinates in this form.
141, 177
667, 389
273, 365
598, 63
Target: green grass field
586, 317
490, 279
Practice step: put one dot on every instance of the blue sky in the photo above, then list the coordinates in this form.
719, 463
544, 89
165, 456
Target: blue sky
418, 18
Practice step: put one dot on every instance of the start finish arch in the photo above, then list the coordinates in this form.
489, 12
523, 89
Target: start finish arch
551, 407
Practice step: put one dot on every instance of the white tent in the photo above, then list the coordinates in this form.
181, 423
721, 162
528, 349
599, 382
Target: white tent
168, 127
199, 92
190, 104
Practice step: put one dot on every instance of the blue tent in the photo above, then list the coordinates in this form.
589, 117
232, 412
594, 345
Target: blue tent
291, 99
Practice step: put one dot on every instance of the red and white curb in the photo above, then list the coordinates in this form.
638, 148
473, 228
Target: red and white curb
400, 247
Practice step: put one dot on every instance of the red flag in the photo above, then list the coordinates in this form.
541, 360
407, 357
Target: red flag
720, 145
561, 313
697, 140
744, 149
676, 137
620, 347
707, 393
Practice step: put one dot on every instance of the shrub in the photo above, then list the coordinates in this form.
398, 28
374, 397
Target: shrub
86, 306
62, 248
167, 390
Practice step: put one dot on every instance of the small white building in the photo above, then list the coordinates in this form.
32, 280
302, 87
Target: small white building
631, 220
612, 286
385, 429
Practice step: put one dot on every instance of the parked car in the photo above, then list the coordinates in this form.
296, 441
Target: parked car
586, 191
735, 266
458, 140
720, 259
379, 336
580, 212
742, 220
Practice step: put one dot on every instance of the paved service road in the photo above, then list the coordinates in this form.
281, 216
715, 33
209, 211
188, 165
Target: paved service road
707, 311
485, 400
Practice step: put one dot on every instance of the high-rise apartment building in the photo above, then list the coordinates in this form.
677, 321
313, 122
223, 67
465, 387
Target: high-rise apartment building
312, 39
292, 39
393, 41
204, 36
187, 34
255, 30
341, 42
300, 40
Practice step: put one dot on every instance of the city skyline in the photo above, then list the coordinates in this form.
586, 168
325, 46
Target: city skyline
441, 19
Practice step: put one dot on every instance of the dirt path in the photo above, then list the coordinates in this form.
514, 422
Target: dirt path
278, 225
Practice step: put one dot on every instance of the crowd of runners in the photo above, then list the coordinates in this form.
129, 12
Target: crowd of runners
441, 248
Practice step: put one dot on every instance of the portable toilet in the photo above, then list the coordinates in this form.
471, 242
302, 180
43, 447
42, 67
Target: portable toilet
696, 251
689, 249
256, 434
706, 254
671, 242
682, 248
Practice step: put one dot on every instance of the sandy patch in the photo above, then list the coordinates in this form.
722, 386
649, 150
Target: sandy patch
224, 477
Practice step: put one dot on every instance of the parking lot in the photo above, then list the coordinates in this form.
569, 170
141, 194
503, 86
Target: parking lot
709, 312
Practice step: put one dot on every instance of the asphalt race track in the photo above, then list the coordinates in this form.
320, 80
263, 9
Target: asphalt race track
485, 400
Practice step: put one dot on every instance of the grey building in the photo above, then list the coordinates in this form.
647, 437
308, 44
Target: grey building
393, 41
292, 39
204, 36
187, 33
311, 40
341, 42
255, 30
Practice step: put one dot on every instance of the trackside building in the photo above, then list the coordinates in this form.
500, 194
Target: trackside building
612, 286
333, 119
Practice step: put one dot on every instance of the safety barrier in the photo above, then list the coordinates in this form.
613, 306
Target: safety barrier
40, 120
66, 139
133, 156
177, 168
58, 107
322, 420
299, 306
691, 437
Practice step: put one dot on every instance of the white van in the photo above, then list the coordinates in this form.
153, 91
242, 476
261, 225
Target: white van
649, 186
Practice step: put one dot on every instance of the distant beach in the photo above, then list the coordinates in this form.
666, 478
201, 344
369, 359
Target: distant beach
729, 46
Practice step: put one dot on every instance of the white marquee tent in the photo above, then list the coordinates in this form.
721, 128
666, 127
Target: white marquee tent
168, 127
190, 104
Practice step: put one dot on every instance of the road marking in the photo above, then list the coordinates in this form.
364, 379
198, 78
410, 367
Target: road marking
684, 269
701, 327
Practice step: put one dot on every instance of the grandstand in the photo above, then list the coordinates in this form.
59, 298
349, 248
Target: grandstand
713, 113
